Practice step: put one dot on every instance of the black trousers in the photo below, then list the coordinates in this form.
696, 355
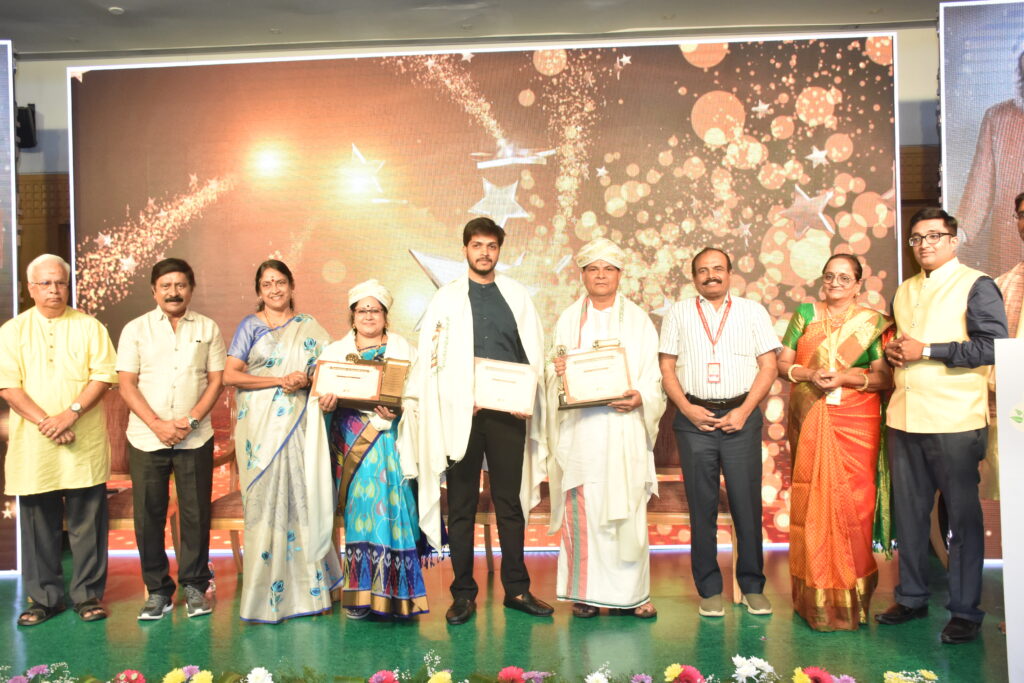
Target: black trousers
501, 436
193, 480
41, 516
922, 463
702, 455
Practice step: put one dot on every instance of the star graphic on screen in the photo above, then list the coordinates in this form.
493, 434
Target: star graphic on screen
817, 156
102, 240
499, 202
806, 212
625, 59
362, 173
128, 264
467, 56
761, 109
602, 172
743, 230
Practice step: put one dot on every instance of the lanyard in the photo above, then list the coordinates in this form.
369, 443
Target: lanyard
721, 324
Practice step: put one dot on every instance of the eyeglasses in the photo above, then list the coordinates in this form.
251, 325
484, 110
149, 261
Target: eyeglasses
844, 279
370, 311
46, 284
930, 238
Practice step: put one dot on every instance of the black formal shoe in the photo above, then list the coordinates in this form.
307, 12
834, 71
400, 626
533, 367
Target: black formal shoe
900, 614
529, 604
460, 611
960, 631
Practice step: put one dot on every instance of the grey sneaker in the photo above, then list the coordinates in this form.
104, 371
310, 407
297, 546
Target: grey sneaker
712, 606
756, 603
156, 607
196, 602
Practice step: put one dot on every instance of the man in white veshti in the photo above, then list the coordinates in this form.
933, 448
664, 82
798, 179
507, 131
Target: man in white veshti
601, 463
444, 435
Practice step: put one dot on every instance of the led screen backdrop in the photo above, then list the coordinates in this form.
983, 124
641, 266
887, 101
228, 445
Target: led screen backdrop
983, 128
779, 151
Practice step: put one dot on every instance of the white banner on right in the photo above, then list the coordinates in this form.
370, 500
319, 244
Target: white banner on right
1010, 424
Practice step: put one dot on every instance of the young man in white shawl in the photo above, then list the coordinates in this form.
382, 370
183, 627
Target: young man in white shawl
601, 463
445, 435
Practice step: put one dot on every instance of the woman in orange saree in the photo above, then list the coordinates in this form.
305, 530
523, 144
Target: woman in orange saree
832, 354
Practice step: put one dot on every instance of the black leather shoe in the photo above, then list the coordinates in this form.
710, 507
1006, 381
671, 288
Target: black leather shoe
900, 614
960, 631
529, 604
460, 611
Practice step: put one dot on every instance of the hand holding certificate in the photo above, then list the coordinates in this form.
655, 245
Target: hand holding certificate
594, 378
362, 384
503, 386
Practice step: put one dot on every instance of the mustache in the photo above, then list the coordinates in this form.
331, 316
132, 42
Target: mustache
173, 300
711, 280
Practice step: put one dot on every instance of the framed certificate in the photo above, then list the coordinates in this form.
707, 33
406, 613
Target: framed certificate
362, 384
508, 387
594, 378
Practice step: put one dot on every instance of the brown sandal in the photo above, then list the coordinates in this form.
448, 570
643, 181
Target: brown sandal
37, 614
90, 610
645, 611
583, 610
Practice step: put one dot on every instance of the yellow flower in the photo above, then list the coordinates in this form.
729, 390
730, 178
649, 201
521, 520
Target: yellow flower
174, 676
672, 672
202, 677
441, 677
928, 675
800, 677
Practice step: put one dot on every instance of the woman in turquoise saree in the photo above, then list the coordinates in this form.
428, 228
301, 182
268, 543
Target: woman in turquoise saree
290, 564
381, 562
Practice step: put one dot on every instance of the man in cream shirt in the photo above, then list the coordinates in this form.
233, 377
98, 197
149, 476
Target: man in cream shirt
170, 363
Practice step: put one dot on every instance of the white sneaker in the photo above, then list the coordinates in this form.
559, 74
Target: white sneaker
196, 602
156, 607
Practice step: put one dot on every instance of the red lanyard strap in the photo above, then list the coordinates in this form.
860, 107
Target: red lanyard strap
721, 324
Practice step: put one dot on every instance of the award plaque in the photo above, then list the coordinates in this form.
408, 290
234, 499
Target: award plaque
594, 378
503, 386
362, 384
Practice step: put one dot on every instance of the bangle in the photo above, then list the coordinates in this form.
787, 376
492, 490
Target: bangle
789, 373
867, 381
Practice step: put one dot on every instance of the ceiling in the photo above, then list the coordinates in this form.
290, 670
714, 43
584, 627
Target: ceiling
63, 29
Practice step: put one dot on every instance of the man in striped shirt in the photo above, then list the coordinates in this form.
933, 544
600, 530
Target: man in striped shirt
717, 357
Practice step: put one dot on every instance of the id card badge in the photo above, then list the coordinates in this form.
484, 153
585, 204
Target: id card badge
714, 373
834, 397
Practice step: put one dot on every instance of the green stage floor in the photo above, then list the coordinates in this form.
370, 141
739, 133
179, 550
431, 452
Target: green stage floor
497, 637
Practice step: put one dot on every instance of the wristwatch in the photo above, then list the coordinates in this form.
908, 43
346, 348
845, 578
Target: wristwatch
76, 408
926, 352
193, 423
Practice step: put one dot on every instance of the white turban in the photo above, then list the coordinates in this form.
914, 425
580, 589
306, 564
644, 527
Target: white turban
370, 288
601, 249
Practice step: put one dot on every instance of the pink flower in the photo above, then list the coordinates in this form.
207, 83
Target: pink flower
817, 675
844, 679
38, 670
17, 679
640, 678
383, 676
511, 674
690, 674
130, 676
536, 676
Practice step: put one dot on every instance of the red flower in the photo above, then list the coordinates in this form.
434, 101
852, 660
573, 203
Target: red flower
511, 674
817, 675
690, 674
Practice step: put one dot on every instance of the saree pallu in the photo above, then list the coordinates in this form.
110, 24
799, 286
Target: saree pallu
382, 569
836, 454
282, 578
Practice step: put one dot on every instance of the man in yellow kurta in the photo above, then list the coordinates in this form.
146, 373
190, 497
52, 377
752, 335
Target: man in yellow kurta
55, 365
947, 318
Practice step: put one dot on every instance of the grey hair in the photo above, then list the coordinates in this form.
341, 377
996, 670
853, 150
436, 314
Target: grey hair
45, 258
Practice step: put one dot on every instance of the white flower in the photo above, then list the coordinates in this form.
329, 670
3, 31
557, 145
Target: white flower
259, 675
744, 669
597, 677
762, 665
